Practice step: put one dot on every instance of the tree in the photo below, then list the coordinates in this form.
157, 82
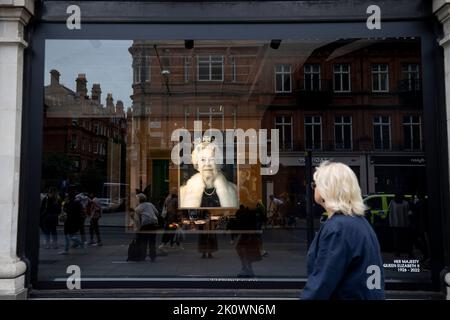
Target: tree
55, 168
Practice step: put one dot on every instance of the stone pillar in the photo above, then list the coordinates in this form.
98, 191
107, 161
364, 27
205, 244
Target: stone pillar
14, 15
441, 8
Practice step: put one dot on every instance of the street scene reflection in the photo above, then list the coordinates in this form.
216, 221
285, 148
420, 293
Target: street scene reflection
115, 203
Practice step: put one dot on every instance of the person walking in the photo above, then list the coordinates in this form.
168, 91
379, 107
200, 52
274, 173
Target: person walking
73, 209
170, 215
248, 244
344, 259
146, 217
400, 223
50, 210
94, 210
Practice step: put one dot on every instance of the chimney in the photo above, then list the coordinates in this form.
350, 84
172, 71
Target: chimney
119, 107
54, 77
96, 93
81, 85
109, 103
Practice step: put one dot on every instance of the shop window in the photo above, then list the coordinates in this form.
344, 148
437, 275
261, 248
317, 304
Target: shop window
210, 68
313, 132
382, 132
412, 131
380, 78
342, 78
284, 125
312, 77
343, 132
283, 78
137, 154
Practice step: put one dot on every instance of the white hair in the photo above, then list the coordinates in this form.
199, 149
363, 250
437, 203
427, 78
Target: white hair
205, 145
339, 187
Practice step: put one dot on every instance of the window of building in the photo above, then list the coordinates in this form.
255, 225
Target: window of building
313, 132
342, 78
233, 68
187, 68
210, 68
411, 76
284, 125
412, 131
283, 78
141, 69
343, 132
312, 77
380, 78
382, 132
74, 142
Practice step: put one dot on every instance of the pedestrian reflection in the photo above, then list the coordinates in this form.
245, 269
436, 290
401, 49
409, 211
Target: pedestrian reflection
248, 243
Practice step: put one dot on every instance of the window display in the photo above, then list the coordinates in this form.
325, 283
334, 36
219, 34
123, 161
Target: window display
214, 137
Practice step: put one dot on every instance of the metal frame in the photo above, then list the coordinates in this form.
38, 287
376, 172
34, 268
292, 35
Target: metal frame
275, 25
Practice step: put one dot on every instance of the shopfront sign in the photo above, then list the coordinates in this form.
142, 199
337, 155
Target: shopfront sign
398, 160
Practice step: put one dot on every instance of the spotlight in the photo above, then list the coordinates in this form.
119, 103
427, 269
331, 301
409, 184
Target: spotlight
188, 44
275, 44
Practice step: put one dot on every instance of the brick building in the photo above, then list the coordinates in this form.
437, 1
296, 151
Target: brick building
88, 133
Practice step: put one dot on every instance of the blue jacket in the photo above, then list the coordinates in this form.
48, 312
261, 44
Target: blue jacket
344, 261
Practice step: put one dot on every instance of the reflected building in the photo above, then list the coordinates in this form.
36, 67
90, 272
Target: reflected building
350, 100
214, 83
354, 101
82, 136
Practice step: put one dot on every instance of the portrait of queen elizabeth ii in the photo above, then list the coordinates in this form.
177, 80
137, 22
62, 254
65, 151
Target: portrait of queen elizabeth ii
209, 186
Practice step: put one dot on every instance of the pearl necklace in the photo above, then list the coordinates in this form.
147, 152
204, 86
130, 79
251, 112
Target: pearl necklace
209, 194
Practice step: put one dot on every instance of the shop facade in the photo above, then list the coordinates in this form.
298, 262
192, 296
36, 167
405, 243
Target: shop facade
111, 106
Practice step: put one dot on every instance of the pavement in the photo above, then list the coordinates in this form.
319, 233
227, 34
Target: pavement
285, 262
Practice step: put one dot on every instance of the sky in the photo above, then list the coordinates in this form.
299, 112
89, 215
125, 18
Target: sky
106, 62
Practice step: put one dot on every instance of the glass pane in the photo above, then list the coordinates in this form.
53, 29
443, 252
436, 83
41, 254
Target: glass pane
279, 82
416, 137
287, 137
386, 137
317, 137
308, 82
309, 137
287, 83
203, 72
216, 71
347, 137
337, 82
376, 82
407, 136
345, 82
384, 82
338, 136
117, 143
377, 137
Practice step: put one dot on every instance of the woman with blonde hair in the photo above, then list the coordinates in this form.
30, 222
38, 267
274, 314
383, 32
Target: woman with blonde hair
344, 259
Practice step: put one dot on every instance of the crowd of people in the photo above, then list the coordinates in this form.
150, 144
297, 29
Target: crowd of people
71, 209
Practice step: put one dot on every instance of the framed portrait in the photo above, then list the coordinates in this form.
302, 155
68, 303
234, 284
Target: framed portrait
207, 183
